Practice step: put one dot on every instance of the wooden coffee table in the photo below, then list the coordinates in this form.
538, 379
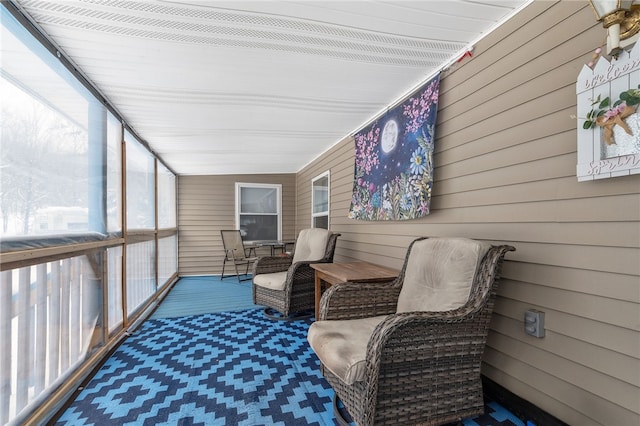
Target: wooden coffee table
334, 273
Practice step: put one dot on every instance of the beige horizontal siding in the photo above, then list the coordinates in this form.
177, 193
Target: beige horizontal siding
505, 157
206, 205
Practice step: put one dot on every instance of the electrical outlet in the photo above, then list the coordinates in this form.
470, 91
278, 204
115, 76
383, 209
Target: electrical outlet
534, 323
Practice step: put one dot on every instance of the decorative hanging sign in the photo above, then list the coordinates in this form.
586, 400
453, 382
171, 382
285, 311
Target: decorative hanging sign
608, 123
394, 160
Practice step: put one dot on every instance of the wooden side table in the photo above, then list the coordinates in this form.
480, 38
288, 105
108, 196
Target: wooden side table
334, 273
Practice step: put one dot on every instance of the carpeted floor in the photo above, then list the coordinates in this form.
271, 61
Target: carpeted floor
228, 368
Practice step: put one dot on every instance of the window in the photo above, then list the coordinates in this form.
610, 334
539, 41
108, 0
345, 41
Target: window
140, 185
167, 242
258, 211
320, 201
166, 198
141, 217
114, 174
52, 143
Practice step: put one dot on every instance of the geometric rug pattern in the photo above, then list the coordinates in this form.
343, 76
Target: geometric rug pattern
229, 368
203, 295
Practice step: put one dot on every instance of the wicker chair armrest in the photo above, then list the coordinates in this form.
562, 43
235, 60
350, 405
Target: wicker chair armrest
300, 272
412, 341
359, 300
300, 269
303, 264
269, 264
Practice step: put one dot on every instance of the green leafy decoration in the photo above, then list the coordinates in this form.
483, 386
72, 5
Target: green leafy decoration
630, 97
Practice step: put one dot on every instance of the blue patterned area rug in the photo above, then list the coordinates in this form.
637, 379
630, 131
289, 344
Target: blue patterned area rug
229, 368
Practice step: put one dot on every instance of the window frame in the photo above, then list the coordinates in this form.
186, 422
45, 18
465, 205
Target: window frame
61, 98
326, 213
238, 203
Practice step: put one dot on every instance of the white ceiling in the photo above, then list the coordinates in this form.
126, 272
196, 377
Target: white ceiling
222, 87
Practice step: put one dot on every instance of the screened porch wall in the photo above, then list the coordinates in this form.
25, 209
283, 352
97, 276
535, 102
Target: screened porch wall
89, 240
58, 317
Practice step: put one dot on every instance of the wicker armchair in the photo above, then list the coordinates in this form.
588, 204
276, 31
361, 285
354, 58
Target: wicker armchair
286, 284
409, 351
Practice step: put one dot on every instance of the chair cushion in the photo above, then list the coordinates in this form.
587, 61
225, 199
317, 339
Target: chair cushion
274, 280
341, 345
311, 244
440, 273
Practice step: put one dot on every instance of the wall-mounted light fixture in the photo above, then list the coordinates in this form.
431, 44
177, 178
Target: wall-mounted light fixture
621, 19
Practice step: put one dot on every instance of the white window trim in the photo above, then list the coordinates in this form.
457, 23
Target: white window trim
328, 212
276, 186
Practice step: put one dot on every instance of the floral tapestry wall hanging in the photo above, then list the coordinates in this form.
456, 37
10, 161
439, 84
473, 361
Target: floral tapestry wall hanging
394, 160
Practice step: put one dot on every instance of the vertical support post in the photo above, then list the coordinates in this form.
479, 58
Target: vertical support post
106, 266
24, 364
156, 262
6, 313
76, 278
41, 309
123, 281
65, 296
54, 323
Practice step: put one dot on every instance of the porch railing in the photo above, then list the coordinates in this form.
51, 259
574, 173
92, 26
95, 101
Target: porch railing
58, 309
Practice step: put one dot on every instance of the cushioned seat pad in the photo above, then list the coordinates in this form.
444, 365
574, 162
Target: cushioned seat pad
342, 345
274, 280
